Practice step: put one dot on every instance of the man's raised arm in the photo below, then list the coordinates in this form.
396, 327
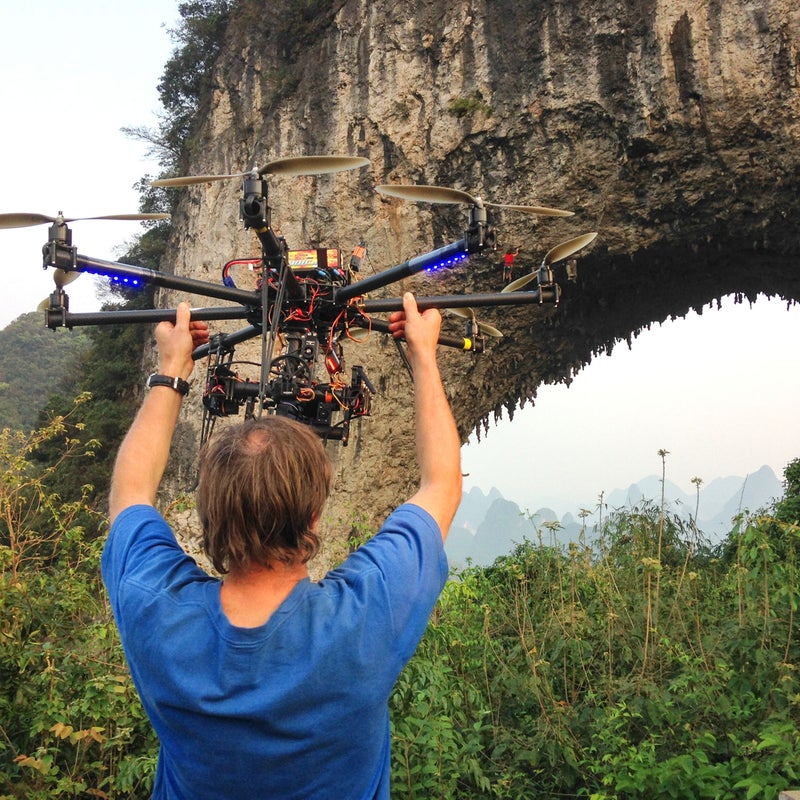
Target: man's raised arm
144, 452
438, 443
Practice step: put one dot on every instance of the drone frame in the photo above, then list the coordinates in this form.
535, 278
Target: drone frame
343, 307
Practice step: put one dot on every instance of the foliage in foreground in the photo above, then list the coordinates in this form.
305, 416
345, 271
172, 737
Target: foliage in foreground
648, 667
70, 722
652, 667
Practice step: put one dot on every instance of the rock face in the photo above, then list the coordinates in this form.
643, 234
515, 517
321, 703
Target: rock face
671, 128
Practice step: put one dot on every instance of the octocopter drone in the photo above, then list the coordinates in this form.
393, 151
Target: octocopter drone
301, 304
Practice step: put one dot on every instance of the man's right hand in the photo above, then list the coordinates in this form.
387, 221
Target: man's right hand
420, 330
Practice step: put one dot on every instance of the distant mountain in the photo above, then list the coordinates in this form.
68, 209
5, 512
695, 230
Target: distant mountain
716, 504
487, 525
758, 490
33, 361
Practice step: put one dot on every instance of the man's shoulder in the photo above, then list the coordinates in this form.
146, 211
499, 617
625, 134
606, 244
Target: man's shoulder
137, 522
412, 526
136, 513
407, 544
413, 517
139, 539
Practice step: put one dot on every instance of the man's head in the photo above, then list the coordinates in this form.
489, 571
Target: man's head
262, 487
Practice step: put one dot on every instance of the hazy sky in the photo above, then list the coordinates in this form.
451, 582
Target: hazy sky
74, 73
720, 391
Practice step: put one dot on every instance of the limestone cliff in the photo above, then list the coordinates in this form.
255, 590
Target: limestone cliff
670, 126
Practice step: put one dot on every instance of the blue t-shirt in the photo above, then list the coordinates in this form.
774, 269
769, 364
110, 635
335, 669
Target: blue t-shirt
294, 708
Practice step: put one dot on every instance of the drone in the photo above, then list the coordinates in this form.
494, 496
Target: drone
304, 304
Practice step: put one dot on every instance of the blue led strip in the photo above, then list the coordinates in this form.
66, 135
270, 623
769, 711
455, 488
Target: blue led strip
449, 262
129, 275
124, 280
443, 256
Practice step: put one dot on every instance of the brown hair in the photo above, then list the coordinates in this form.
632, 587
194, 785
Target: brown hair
262, 487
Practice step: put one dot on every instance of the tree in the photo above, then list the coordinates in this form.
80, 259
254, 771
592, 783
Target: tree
70, 721
788, 509
33, 359
186, 80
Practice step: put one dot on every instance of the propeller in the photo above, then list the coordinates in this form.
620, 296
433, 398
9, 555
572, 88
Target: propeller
26, 220
441, 194
61, 278
557, 253
468, 313
295, 166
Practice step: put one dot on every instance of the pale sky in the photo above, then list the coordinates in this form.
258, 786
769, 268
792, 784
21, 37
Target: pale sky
719, 391
74, 73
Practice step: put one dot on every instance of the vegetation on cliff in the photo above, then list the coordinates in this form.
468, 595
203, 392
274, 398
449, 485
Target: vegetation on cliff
187, 81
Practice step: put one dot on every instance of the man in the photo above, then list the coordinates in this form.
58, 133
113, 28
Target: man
265, 684
508, 264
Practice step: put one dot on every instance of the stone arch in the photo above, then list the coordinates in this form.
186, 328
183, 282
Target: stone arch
671, 127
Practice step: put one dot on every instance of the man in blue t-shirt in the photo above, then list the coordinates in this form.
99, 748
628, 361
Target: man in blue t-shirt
266, 684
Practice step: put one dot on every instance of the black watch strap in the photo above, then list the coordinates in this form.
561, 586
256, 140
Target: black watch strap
178, 384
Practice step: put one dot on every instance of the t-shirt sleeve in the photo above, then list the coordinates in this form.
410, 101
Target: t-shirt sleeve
405, 569
141, 547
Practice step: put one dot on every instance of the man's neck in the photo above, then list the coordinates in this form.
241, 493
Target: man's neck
249, 597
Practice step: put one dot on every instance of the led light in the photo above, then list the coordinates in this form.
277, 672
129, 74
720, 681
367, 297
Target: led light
448, 262
117, 279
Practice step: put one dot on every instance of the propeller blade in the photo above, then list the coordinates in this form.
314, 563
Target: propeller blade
489, 330
123, 217
542, 211
63, 277
468, 313
566, 249
190, 180
313, 165
426, 194
441, 194
23, 220
298, 165
518, 283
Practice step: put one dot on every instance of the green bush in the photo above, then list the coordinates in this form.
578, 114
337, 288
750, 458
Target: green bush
650, 666
469, 107
70, 722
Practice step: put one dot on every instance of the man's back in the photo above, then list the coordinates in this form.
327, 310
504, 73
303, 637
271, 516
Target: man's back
296, 707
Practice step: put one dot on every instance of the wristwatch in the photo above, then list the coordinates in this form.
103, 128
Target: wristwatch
178, 384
